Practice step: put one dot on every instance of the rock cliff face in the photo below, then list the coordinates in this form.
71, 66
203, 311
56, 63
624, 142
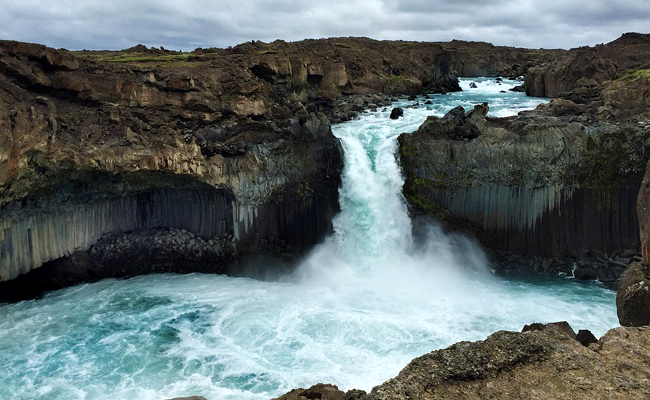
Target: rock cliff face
586, 68
557, 181
92, 150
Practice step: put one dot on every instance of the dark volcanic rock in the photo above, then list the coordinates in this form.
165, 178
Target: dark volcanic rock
189, 398
323, 392
584, 273
633, 296
585, 337
527, 365
643, 210
456, 124
396, 113
561, 326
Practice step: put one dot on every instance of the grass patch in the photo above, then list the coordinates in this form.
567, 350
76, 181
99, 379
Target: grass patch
633, 76
343, 45
142, 58
268, 51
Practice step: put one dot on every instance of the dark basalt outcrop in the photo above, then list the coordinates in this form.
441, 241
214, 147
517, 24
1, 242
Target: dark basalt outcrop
633, 296
557, 182
96, 153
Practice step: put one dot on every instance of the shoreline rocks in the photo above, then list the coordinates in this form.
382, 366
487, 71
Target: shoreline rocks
633, 296
543, 361
586, 265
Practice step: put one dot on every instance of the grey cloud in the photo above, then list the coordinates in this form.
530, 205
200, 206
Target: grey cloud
188, 24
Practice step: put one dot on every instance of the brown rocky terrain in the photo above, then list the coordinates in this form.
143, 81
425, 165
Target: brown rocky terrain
542, 362
559, 182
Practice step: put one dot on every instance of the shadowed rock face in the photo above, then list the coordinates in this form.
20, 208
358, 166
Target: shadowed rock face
544, 183
633, 296
94, 153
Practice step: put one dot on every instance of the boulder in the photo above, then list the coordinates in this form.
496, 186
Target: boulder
633, 296
456, 124
585, 337
561, 326
321, 391
396, 113
189, 398
585, 273
541, 364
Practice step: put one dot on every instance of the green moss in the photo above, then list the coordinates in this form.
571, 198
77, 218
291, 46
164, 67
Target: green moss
417, 193
427, 206
304, 189
398, 78
142, 58
613, 160
632, 76
268, 51
343, 45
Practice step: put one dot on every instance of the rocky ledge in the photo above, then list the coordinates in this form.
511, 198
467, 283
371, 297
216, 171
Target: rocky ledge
542, 362
556, 186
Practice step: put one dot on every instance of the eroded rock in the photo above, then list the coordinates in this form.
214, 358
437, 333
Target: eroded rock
633, 296
537, 364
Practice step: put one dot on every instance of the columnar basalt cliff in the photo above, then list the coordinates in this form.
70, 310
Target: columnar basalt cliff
561, 180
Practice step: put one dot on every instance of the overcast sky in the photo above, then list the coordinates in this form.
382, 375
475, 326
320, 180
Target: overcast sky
187, 24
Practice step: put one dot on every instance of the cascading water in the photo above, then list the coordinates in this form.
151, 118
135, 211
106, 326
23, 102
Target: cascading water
357, 310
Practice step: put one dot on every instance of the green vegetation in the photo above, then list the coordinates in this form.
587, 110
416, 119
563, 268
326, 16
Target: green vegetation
398, 78
304, 189
612, 160
635, 75
267, 51
142, 58
416, 191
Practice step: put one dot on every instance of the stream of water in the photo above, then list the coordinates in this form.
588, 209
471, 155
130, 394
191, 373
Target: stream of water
358, 308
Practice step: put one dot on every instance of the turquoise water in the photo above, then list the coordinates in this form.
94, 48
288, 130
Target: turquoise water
356, 311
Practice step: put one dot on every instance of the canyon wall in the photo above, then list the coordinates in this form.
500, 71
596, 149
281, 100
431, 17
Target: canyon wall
557, 181
233, 145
